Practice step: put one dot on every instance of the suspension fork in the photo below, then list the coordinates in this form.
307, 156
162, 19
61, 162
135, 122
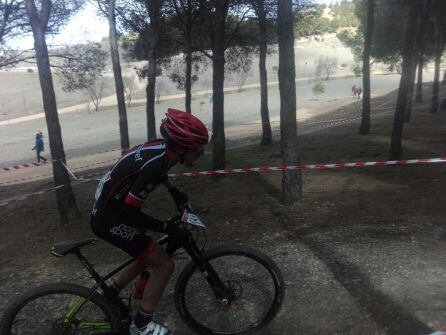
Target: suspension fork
211, 276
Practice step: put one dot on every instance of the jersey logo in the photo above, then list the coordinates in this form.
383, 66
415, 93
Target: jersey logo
138, 154
125, 232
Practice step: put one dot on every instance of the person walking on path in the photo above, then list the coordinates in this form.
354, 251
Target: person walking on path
359, 91
356, 91
39, 147
353, 90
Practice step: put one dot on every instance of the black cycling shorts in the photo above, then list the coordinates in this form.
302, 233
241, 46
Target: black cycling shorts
131, 239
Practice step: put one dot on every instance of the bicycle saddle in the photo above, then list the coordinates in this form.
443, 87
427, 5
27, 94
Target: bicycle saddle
61, 249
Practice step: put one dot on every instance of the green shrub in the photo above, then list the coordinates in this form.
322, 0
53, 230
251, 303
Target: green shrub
318, 88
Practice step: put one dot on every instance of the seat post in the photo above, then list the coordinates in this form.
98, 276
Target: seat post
88, 266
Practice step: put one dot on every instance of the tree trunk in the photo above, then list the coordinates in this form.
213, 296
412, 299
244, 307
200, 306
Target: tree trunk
419, 95
444, 78
291, 179
189, 77
114, 52
365, 120
264, 112
66, 202
439, 47
405, 81
153, 8
413, 73
218, 77
436, 85
150, 92
420, 47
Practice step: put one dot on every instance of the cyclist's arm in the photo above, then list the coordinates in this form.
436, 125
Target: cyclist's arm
179, 197
143, 185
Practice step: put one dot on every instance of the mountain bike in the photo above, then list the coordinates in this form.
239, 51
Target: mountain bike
224, 290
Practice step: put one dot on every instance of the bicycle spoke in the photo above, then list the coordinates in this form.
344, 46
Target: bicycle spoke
252, 288
53, 314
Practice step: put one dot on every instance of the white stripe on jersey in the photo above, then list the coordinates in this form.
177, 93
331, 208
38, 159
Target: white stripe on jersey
142, 167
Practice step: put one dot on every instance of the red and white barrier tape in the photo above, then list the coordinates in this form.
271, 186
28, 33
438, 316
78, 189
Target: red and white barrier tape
47, 190
21, 166
314, 167
261, 169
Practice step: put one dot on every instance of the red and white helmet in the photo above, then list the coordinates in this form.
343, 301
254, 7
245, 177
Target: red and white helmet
184, 129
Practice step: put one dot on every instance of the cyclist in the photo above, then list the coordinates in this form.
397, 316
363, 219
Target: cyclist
117, 218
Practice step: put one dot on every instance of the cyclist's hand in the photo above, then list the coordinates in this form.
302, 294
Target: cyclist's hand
171, 225
181, 199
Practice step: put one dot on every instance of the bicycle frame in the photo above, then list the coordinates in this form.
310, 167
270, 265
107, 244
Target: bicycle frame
100, 283
186, 241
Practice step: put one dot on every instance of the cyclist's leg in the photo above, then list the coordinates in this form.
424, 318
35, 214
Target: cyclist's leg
136, 243
132, 240
161, 266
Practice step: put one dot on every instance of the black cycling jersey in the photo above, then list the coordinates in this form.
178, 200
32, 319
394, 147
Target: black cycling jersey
125, 187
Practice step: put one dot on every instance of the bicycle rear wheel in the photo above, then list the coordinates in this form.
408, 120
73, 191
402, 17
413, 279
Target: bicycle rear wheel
55, 309
256, 287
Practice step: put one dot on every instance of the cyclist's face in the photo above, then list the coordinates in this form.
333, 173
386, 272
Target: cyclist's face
193, 155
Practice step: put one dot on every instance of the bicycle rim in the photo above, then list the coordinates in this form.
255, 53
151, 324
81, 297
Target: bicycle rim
254, 281
60, 309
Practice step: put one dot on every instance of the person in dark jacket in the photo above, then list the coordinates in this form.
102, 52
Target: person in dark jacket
39, 147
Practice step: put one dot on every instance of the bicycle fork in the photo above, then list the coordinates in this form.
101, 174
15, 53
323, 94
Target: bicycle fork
222, 293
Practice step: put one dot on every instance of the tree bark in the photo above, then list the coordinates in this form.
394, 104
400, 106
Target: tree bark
188, 78
420, 46
419, 94
436, 85
264, 112
153, 8
150, 93
188, 83
365, 120
66, 202
114, 52
413, 73
218, 77
439, 47
291, 179
405, 81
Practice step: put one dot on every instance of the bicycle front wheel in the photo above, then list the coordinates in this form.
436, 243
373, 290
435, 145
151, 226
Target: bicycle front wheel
60, 309
255, 284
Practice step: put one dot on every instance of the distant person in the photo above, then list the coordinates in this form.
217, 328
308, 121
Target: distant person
39, 147
359, 92
353, 90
